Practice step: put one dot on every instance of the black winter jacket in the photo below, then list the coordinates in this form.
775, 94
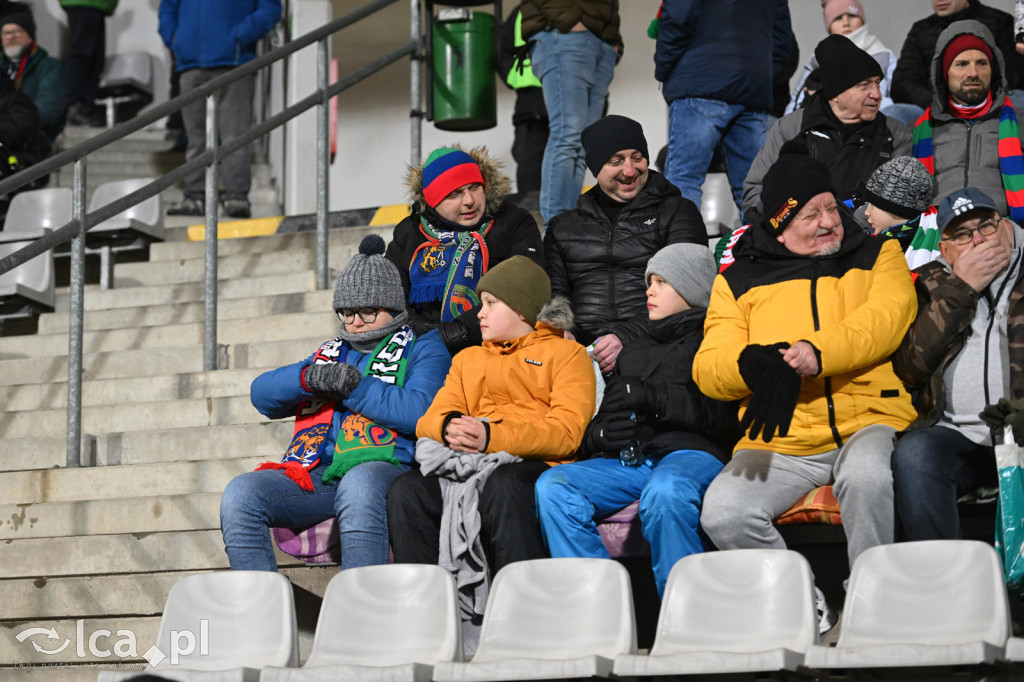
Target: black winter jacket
912, 83
600, 267
682, 418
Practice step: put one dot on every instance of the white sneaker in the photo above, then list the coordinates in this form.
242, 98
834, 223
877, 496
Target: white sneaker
826, 616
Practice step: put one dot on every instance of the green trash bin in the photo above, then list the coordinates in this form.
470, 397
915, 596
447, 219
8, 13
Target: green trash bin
465, 95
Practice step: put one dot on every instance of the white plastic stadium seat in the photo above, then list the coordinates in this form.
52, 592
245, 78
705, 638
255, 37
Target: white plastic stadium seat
32, 209
249, 624
919, 604
717, 206
388, 623
132, 229
551, 619
126, 78
28, 289
736, 611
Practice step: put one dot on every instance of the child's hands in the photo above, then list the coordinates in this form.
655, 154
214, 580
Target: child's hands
466, 434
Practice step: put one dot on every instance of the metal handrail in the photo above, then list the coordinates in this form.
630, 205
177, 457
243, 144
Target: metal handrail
81, 222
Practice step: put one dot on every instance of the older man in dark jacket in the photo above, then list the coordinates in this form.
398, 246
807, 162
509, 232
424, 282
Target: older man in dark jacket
596, 255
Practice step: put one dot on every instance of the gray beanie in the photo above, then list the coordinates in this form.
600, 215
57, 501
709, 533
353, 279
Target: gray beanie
689, 268
370, 280
901, 186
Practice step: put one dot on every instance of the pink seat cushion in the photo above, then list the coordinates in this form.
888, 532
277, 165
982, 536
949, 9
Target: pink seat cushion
318, 544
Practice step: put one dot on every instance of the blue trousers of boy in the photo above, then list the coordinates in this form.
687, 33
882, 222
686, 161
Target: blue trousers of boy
571, 496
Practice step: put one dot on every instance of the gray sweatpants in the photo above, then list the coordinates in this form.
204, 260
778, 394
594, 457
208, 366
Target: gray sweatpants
758, 485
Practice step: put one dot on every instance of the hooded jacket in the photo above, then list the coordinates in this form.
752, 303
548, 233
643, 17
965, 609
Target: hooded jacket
853, 306
209, 34
42, 81
967, 151
600, 267
537, 391
912, 78
514, 233
601, 17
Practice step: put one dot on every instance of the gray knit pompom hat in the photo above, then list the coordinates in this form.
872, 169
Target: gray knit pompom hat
370, 280
901, 186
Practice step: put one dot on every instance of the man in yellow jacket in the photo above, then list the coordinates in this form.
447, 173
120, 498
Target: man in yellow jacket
801, 328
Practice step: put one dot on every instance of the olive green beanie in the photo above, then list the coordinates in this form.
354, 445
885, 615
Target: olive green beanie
520, 284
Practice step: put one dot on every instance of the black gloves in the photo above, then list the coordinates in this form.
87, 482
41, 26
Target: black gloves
455, 336
627, 394
1006, 413
776, 390
335, 380
609, 432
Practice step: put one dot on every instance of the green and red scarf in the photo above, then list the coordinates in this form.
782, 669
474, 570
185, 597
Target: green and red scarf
359, 439
447, 267
1011, 156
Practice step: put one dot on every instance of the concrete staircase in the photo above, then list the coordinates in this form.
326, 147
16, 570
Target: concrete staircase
97, 548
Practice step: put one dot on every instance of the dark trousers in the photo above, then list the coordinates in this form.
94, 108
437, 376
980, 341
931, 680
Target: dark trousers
87, 43
509, 531
932, 467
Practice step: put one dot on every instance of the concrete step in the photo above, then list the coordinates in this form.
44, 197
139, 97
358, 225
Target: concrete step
158, 273
178, 313
323, 324
266, 440
218, 384
157, 361
188, 292
157, 514
340, 241
46, 672
78, 652
138, 481
164, 414
151, 140
112, 595
126, 553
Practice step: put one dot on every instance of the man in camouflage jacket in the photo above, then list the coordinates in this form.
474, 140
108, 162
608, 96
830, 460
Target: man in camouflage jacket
964, 351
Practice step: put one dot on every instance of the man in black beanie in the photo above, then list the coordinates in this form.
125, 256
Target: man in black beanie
28, 68
596, 255
839, 125
800, 328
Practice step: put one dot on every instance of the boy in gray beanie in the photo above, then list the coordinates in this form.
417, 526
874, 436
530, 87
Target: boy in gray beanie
656, 437
356, 401
897, 194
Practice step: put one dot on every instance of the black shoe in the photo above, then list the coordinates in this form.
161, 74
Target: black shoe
237, 208
189, 207
78, 116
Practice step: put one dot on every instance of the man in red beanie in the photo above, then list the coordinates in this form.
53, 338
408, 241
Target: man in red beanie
970, 135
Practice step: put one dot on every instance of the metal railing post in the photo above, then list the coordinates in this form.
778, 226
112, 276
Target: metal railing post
323, 142
415, 86
76, 319
210, 261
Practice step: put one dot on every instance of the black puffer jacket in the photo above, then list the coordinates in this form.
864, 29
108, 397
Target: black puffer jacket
911, 81
514, 233
681, 418
600, 267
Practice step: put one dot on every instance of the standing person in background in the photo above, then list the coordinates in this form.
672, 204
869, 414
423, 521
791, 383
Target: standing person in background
717, 76
87, 50
575, 46
209, 38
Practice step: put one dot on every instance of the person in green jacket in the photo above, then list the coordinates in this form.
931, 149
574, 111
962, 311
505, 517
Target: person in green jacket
87, 50
32, 71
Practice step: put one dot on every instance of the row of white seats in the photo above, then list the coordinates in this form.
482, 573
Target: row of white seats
911, 605
29, 288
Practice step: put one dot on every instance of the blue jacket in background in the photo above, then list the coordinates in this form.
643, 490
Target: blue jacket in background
277, 393
215, 33
725, 50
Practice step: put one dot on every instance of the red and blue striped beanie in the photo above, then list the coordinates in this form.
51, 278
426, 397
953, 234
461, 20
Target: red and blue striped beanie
445, 170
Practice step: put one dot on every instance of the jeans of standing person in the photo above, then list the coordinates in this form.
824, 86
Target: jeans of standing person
509, 530
756, 486
571, 496
931, 468
696, 126
86, 55
575, 70
234, 117
256, 501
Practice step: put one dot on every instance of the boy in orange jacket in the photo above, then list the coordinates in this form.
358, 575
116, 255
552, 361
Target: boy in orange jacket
508, 409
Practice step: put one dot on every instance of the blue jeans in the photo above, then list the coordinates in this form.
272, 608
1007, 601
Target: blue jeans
256, 501
571, 496
931, 469
575, 70
695, 128
904, 112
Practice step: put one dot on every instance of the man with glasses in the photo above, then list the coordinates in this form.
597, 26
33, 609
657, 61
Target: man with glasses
962, 353
29, 69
